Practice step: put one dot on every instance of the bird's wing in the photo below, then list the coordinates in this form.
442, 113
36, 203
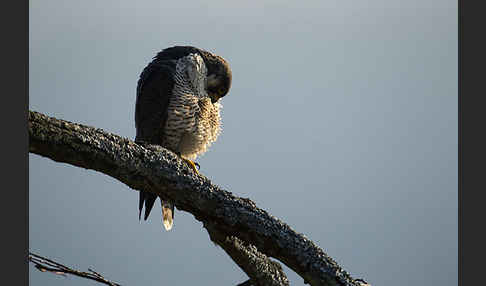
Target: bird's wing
154, 90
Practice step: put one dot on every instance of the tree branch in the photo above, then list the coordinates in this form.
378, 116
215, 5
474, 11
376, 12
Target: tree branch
260, 269
159, 171
48, 265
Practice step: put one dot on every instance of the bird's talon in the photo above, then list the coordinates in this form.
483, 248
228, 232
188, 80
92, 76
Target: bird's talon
191, 165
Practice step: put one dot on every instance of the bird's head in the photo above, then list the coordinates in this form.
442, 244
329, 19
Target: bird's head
218, 76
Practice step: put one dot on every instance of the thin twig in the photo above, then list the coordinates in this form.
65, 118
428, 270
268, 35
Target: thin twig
44, 264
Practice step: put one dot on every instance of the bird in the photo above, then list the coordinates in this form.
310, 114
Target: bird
178, 107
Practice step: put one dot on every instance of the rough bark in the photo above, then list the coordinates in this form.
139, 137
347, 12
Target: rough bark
246, 232
261, 269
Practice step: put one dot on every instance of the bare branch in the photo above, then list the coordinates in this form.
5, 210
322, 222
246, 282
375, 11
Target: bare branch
159, 171
48, 265
261, 269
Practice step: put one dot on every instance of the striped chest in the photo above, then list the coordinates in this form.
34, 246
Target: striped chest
192, 125
193, 122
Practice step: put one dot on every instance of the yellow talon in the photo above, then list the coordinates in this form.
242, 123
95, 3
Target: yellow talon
191, 165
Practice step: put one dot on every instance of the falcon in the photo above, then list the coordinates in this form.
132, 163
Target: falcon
178, 107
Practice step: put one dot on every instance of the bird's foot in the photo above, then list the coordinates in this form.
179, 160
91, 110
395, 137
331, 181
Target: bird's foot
193, 165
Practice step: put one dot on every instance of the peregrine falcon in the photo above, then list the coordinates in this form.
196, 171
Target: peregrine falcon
177, 107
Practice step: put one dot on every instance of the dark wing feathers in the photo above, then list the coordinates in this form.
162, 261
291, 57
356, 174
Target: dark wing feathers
148, 199
153, 94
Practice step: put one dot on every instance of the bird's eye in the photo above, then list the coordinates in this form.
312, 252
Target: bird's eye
221, 90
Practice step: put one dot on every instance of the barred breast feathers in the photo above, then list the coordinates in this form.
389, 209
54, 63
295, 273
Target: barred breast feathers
193, 122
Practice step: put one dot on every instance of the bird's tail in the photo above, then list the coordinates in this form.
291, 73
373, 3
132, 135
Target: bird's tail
167, 214
147, 199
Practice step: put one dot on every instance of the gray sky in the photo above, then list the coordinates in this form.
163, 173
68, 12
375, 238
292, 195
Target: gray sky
341, 121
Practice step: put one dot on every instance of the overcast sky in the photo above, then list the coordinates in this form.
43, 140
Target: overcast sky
341, 121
